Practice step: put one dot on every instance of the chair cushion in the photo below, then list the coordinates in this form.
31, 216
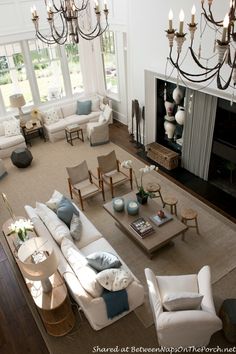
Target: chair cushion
103, 260
51, 116
84, 107
117, 177
114, 279
86, 188
177, 284
182, 301
66, 210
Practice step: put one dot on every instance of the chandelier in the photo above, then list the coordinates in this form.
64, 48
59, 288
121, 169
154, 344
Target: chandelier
65, 21
223, 56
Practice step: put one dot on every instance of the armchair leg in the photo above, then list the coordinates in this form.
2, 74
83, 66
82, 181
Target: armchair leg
81, 201
131, 178
70, 189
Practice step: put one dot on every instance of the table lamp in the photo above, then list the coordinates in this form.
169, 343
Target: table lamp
38, 261
18, 100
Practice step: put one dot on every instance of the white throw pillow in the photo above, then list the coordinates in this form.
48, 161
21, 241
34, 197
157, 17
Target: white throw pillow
95, 104
11, 127
107, 112
51, 117
182, 301
101, 119
76, 227
85, 273
56, 226
115, 279
54, 201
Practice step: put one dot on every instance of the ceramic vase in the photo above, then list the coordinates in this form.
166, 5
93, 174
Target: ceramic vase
180, 116
169, 108
177, 95
169, 129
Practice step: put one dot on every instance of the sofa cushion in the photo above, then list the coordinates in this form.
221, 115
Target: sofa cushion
95, 104
103, 260
84, 107
76, 227
57, 227
85, 274
69, 109
182, 301
57, 126
115, 279
66, 210
9, 141
54, 201
12, 127
51, 116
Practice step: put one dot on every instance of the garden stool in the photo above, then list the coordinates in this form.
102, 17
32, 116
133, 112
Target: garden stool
172, 203
189, 215
228, 317
155, 189
21, 157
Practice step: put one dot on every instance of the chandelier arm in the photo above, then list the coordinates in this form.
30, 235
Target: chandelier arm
91, 35
211, 18
95, 36
219, 85
44, 39
197, 81
83, 5
198, 62
58, 9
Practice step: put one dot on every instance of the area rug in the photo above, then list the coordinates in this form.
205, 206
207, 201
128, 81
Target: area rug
215, 246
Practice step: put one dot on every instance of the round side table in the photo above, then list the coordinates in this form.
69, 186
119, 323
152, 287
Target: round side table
155, 188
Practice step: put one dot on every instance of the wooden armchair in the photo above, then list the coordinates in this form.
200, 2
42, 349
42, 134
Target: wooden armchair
82, 183
110, 173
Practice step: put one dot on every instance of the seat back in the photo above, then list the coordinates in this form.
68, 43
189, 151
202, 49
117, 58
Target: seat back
107, 163
78, 173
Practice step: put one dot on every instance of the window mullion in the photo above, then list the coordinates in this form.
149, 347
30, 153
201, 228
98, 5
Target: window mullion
30, 72
65, 72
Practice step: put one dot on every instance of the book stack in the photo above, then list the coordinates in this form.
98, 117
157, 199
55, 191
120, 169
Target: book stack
142, 227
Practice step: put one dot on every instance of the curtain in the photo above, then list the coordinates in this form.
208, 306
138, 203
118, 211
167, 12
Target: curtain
198, 132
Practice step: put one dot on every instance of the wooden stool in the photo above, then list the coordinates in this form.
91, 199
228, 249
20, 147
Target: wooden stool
188, 215
155, 188
72, 132
171, 202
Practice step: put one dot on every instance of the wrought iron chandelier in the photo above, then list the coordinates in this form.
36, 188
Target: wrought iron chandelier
224, 54
64, 19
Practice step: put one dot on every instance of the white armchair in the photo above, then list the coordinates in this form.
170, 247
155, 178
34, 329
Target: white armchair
98, 132
183, 328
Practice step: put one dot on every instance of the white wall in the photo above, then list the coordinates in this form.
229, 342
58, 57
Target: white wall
148, 45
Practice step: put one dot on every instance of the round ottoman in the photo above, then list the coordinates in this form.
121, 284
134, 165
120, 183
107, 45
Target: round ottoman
21, 157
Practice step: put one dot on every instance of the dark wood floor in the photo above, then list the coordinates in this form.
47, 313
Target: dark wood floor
209, 194
18, 330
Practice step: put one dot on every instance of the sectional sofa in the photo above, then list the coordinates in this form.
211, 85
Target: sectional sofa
9, 142
67, 114
91, 241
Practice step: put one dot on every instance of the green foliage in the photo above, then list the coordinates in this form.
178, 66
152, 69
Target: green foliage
3, 63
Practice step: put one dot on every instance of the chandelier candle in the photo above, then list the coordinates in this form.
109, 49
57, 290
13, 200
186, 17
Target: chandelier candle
193, 12
181, 23
225, 28
170, 17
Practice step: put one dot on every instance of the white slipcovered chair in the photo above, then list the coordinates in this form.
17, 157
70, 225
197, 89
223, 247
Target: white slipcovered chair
98, 132
183, 328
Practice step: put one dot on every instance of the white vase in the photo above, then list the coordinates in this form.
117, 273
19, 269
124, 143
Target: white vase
169, 108
180, 116
169, 129
177, 95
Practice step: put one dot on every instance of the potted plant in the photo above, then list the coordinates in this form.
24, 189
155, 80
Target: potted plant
20, 227
142, 195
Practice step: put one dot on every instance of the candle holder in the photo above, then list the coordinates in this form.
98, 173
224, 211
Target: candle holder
180, 38
171, 35
132, 207
192, 29
118, 204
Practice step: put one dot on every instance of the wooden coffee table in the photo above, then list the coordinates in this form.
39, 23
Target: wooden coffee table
163, 234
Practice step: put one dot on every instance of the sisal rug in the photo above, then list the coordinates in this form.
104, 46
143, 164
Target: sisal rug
215, 246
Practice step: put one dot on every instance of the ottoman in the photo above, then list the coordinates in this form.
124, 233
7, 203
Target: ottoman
21, 157
228, 316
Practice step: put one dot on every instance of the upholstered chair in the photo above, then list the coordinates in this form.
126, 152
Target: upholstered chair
98, 132
179, 320
110, 171
82, 183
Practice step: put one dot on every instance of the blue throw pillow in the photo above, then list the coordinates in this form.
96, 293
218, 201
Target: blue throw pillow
66, 210
103, 260
84, 107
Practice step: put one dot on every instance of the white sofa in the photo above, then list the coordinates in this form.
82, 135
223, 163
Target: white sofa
9, 143
68, 116
91, 241
188, 327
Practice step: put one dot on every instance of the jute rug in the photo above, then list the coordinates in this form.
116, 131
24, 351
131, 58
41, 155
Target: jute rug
215, 246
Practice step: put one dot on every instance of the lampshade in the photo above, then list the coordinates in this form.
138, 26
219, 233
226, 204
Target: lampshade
17, 100
37, 259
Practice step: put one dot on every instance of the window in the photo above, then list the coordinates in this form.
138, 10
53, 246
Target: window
73, 59
47, 67
109, 61
13, 78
